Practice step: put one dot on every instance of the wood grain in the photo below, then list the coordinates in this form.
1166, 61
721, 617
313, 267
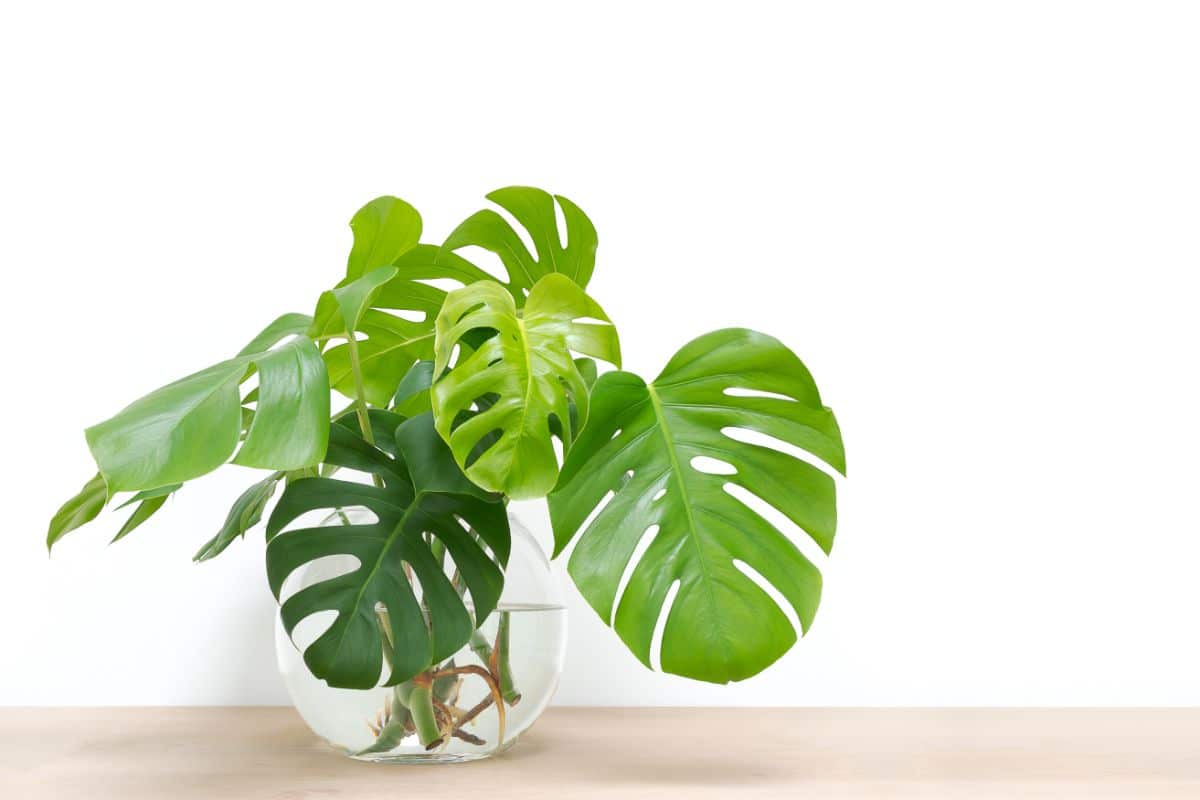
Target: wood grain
268, 754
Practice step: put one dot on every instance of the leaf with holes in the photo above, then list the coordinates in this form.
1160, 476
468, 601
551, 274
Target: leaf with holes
525, 373
392, 309
640, 443
424, 497
192, 426
534, 209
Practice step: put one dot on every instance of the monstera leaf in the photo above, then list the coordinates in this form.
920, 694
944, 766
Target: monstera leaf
388, 345
421, 508
384, 229
385, 302
193, 426
640, 442
525, 376
534, 209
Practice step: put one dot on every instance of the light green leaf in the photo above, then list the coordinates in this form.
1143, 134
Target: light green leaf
384, 229
291, 418
145, 510
534, 209
283, 327
423, 498
389, 344
243, 515
149, 502
150, 494
528, 370
79, 510
192, 426
386, 232
589, 370
639, 443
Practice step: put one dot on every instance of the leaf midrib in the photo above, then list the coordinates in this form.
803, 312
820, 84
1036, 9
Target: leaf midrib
384, 351
525, 352
387, 546
677, 472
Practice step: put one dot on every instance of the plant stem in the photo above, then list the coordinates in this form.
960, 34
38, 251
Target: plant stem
504, 667
419, 699
493, 686
360, 398
360, 393
503, 673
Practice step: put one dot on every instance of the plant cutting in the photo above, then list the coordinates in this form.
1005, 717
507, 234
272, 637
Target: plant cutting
407, 628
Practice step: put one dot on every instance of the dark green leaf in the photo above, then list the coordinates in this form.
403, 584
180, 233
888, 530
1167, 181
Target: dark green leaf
383, 427
423, 498
412, 396
639, 442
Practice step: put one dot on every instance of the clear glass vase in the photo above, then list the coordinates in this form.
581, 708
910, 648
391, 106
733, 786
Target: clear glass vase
449, 714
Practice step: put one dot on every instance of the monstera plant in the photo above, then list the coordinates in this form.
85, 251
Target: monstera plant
467, 389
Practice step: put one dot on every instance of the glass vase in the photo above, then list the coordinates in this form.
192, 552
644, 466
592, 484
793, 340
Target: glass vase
449, 713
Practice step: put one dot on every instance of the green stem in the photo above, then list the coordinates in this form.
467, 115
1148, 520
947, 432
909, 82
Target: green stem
507, 689
419, 700
483, 651
481, 648
360, 392
360, 398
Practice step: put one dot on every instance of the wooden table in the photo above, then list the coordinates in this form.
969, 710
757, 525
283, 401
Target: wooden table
252, 753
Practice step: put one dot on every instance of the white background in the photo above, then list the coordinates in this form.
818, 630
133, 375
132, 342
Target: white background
976, 222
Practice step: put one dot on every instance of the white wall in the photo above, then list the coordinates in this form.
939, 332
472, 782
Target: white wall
977, 223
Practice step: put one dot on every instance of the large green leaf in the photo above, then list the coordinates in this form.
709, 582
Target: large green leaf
639, 442
525, 374
193, 426
534, 209
387, 344
424, 499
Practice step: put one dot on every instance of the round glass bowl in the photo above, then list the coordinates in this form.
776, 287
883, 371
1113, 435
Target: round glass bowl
450, 713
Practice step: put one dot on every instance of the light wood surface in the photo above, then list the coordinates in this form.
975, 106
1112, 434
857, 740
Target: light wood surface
267, 753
